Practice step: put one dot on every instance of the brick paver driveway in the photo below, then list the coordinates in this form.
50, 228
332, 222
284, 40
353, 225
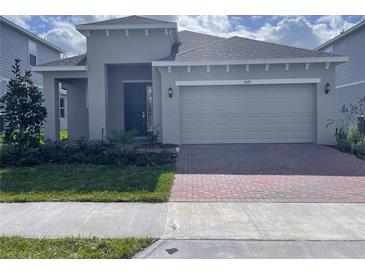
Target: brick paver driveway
268, 173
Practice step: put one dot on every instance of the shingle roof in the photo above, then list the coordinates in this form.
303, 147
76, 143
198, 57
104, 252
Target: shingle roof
128, 20
190, 40
236, 48
79, 60
196, 46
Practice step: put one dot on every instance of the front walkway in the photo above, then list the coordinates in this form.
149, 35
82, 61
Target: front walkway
229, 221
297, 173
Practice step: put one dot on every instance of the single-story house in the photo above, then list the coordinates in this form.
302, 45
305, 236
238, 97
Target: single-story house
141, 73
350, 76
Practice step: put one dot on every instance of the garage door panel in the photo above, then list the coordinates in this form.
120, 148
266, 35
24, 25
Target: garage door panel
247, 114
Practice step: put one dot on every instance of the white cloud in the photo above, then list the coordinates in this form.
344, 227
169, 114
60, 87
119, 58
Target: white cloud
328, 27
210, 24
64, 34
296, 31
21, 20
290, 31
83, 19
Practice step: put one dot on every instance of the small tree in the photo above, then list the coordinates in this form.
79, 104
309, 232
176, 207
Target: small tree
22, 106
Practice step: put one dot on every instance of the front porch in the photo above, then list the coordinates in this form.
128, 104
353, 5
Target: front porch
127, 95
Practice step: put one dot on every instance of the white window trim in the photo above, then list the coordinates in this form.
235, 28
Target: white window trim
64, 107
29, 53
248, 82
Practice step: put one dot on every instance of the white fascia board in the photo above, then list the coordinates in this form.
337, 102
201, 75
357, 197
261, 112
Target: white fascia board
249, 82
332, 59
126, 26
58, 68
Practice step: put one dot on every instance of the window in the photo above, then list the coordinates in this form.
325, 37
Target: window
32, 53
149, 109
62, 107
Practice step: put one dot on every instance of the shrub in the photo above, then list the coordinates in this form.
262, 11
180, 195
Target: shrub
353, 134
50, 152
9, 155
81, 151
29, 157
122, 139
349, 138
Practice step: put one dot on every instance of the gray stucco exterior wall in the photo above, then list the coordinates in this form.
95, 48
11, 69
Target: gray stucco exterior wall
51, 97
157, 101
325, 103
77, 112
117, 48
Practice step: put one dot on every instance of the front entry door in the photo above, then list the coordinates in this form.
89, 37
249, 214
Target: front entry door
135, 107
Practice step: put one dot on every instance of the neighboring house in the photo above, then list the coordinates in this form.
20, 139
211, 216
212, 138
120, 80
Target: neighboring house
141, 73
350, 76
17, 42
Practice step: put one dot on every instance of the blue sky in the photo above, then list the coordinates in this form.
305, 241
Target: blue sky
299, 31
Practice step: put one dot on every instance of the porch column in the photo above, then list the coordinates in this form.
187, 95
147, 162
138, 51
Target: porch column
51, 102
97, 93
77, 114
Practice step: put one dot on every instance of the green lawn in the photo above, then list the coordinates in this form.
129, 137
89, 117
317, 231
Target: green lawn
86, 183
71, 248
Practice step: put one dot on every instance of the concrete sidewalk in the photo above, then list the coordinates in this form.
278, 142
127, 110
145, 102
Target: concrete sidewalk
246, 249
83, 219
233, 221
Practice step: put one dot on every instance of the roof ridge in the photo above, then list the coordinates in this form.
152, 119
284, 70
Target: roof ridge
206, 45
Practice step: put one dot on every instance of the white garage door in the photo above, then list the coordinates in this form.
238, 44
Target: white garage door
248, 114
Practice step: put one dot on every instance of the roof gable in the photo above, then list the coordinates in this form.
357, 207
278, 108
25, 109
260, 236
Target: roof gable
134, 19
128, 22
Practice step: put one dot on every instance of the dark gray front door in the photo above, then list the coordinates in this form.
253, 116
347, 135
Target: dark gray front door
135, 107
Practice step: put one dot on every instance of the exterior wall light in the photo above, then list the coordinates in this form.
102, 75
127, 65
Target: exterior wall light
327, 88
169, 92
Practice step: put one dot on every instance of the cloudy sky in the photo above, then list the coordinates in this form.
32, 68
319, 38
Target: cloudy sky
299, 31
